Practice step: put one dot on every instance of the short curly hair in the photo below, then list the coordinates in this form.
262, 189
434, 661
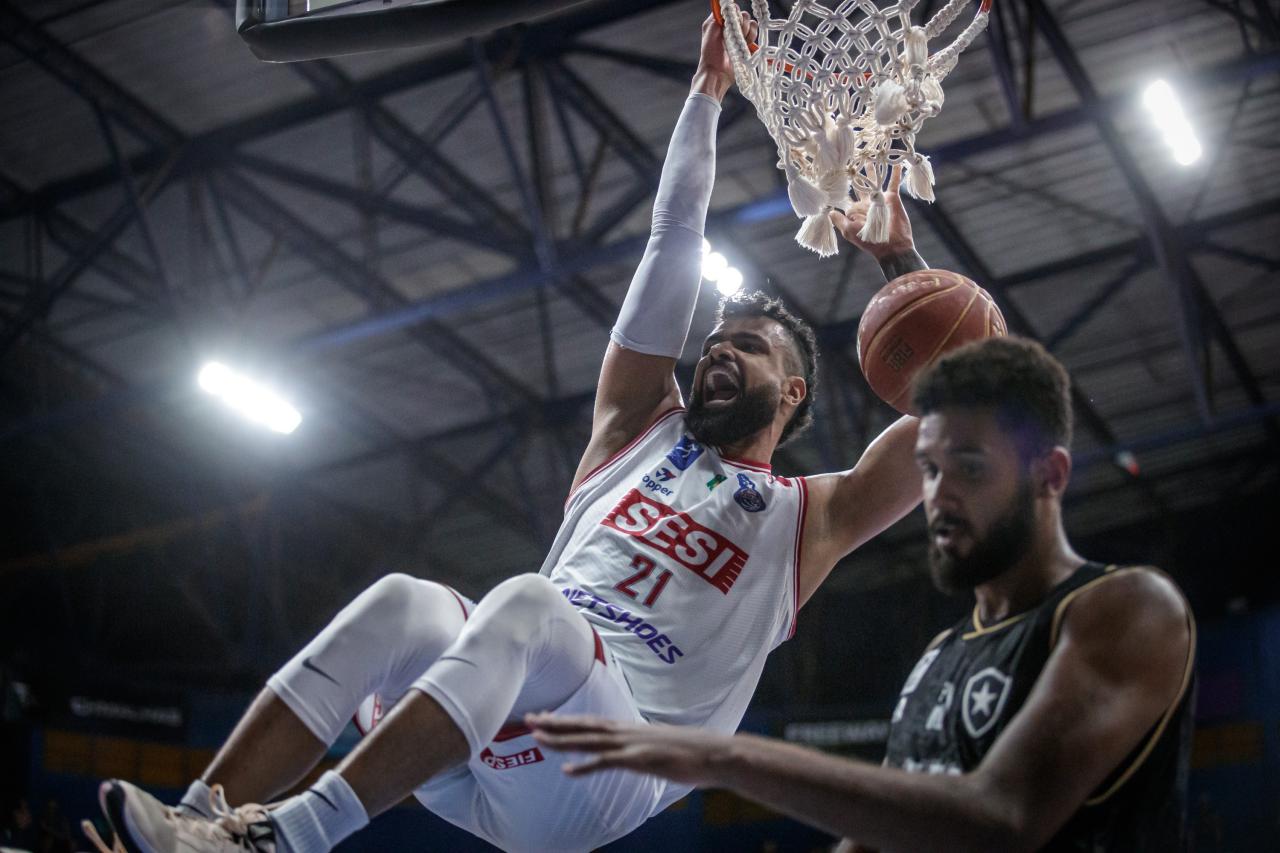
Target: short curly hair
1027, 387
804, 353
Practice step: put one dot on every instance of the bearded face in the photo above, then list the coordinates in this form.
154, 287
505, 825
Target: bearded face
738, 385
730, 416
956, 568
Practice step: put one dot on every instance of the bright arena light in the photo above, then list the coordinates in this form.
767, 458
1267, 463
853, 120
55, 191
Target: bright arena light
730, 282
713, 266
251, 400
1166, 111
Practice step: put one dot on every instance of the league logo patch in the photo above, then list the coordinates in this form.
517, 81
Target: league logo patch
984, 698
748, 496
685, 453
715, 481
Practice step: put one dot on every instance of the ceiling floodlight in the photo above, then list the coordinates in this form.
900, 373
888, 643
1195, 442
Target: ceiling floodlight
730, 282
1166, 111
251, 400
714, 265
706, 247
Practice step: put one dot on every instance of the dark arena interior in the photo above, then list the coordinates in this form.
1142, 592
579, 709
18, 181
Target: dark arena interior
423, 250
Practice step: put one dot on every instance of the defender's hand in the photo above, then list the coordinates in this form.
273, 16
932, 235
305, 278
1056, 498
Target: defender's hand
686, 755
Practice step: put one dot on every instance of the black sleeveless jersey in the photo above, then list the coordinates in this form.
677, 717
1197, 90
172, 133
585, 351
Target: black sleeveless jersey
970, 684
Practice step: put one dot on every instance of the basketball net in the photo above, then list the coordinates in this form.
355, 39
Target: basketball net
843, 91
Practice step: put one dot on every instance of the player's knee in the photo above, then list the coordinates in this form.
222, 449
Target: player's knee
402, 605
521, 605
528, 593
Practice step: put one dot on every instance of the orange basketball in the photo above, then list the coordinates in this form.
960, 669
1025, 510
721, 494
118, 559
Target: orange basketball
913, 320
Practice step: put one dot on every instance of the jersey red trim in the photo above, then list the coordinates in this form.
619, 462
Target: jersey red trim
795, 573
750, 464
623, 452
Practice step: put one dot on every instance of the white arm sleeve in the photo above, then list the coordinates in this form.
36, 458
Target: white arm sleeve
656, 314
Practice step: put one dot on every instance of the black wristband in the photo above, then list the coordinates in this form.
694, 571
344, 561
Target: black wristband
901, 264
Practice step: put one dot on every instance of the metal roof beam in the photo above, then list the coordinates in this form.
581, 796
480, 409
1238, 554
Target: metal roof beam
415, 152
1196, 305
959, 246
371, 203
86, 81
1002, 63
371, 287
219, 145
66, 277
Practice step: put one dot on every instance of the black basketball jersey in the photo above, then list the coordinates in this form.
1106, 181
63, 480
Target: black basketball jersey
970, 684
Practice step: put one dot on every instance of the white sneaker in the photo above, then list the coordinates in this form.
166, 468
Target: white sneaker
143, 824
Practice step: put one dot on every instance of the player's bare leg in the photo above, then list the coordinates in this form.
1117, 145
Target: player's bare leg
415, 742
268, 753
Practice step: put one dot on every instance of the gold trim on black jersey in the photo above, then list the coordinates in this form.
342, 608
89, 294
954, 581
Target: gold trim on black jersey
979, 629
1154, 737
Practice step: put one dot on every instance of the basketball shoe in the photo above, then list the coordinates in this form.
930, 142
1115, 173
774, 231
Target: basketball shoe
143, 824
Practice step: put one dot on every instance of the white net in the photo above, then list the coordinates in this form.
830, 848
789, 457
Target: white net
843, 89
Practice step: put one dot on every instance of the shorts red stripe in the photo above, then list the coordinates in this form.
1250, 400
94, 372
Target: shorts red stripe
599, 647
511, 731
458, 598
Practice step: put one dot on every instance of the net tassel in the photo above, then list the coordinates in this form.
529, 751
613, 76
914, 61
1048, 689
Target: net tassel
891, 103
818, 234
828, 153
916, 48
836, 186
806, 199
876, 228
919, 179
846, 141
931, 91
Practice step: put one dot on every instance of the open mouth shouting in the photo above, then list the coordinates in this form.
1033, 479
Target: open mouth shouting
720, 384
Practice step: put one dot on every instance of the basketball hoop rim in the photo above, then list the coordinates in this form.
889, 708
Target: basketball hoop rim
715, 13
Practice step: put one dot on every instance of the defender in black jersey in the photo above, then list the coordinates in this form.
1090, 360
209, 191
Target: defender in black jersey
1055, 718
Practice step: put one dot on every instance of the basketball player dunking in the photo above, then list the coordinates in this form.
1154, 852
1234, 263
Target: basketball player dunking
680, 564
1055, 718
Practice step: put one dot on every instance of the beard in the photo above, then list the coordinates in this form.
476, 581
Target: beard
991, 556
748, 413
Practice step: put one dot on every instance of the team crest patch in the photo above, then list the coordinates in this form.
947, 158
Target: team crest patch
748, 496
685, 453
984, 698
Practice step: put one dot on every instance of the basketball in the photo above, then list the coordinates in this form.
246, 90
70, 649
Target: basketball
913, 320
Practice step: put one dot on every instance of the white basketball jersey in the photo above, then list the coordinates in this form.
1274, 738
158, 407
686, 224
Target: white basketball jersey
685, 562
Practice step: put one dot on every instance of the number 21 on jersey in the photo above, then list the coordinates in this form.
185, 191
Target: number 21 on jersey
644, 568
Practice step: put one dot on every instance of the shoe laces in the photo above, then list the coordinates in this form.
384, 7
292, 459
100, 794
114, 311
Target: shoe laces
235, 822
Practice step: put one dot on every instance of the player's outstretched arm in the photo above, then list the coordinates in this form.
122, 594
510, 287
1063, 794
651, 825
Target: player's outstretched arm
852, 507
637, 381
1120, 665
